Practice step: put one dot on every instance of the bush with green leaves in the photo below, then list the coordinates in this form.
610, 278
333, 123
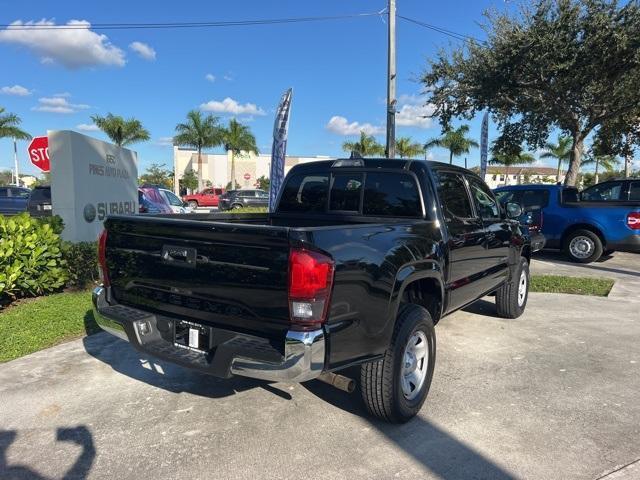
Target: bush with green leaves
31, 258
82, 263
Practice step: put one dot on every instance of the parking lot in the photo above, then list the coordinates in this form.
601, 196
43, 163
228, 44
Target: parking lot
550, 395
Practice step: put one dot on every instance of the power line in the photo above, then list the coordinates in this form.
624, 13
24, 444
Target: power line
211, 24
457, 36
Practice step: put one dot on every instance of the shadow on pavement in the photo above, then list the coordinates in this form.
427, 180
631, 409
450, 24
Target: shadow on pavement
80, 435
441, 453
558, 258
123, 358
486, 308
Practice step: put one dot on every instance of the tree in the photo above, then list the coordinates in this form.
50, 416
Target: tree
263, 183
189, 180
561, 151
508, 158
43, 179
608, 162
238, 140
6, 176
9, 126
566, 64
121, 132
198, 132
406, 148
367, 146
456, 141
156, 174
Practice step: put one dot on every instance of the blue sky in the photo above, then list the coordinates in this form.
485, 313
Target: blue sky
337, 69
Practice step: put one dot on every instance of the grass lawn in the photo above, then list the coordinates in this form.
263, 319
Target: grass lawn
599, 287
37, 323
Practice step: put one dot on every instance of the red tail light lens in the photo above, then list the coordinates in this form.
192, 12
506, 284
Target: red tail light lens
310, 281
633, 220
102, 258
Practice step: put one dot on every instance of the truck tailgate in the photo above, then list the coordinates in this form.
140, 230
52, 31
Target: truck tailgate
222, 274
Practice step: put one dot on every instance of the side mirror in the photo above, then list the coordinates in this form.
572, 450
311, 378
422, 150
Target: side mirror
514, 210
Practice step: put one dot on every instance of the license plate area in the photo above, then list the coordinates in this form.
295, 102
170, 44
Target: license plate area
192, 336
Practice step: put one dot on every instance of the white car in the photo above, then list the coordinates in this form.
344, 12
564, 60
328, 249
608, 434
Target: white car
175, 202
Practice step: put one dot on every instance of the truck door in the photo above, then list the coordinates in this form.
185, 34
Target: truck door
466, 240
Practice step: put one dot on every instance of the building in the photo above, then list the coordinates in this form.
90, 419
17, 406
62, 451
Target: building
517, 175
216, 168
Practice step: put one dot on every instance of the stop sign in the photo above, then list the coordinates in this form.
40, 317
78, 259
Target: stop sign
39, 153
247, 176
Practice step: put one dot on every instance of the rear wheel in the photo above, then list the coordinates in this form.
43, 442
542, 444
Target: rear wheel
395, 387
193, 204
583, 246
236, 206
511, 298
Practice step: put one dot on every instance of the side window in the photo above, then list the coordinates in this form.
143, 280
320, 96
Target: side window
453, 195
304, 193
4, 192
173, 200
345, 192
20, 193
634, 191
534, 200
602, 193
485, 203
391, 194
505, 196
218, 191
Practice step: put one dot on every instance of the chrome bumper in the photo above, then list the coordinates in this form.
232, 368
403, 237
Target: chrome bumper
303, 359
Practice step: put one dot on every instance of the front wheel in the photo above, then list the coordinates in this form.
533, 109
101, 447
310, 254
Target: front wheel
193, 204
583, 246
511, 298
395, 387
236, 206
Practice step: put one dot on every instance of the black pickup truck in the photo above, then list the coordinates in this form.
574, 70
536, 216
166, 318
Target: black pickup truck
359, 261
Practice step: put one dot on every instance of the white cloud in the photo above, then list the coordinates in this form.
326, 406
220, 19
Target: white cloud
58, 105
16, 90
231, 106
210, 77
413, 112
72, 48
87, 127
228, 77
341, 126
143, 50
164, 142
62, 94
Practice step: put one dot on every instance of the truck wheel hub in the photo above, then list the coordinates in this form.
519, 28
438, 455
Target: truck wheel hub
415, 363
581, 247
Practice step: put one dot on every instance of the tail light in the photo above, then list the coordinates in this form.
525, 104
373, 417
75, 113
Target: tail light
310, 281
633, 220
102, 259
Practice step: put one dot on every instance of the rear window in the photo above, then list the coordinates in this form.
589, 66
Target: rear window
345, 192
391, 194
41, 195
534, 199
305, 193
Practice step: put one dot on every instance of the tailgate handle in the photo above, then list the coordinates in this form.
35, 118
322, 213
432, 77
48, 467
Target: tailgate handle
179, 256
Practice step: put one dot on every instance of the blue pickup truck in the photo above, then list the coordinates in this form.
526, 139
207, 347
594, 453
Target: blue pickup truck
584, 230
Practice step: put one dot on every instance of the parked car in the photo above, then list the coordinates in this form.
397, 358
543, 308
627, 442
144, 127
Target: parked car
583, 230
619, 191
39, 204
147, 206
234, 199
358, 262
152, 195
207, 198
13, 200
174, 202
532, 218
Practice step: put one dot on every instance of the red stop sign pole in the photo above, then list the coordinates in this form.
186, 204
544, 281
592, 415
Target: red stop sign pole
39, 153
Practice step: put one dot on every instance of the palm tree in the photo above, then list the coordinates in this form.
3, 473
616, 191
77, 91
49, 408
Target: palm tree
238, 139
509, 159
9, 126
608, 162
198, 132
367, 146
561, 151
406, 148
121, 132
456, 141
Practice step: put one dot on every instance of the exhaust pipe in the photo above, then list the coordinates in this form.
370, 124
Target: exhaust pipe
341, 382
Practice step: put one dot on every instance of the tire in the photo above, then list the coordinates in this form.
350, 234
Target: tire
511, 298
193, 204
382, 381
236, 206
607, 253
583, 246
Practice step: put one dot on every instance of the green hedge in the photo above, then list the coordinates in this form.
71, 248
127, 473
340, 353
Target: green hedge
31, 257
82, 263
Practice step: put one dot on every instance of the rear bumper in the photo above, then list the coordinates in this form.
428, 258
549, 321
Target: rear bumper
630, 243
301, 358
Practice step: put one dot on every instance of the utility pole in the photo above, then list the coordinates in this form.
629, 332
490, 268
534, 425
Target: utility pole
15, 162
391, 83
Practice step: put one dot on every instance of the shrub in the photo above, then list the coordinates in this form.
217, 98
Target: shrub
31, 260
82, 263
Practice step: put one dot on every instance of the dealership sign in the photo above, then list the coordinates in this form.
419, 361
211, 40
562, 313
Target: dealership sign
39, 153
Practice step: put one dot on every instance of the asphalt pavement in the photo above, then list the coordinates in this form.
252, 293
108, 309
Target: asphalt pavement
551, 395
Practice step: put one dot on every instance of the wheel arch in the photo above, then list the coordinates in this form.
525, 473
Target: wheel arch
420, 284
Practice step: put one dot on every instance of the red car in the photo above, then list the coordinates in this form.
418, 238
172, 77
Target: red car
207, 198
